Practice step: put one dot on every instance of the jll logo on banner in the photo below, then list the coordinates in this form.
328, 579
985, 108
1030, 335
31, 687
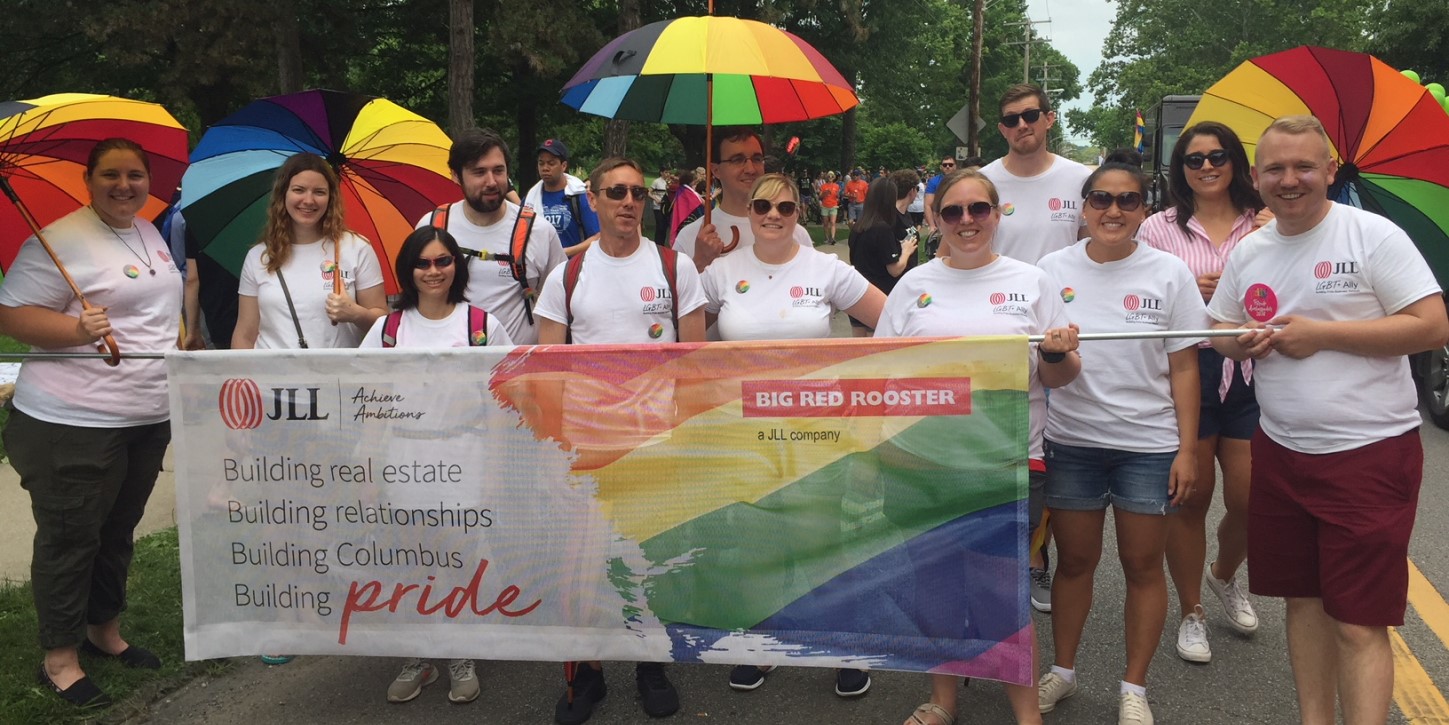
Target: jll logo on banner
241, 405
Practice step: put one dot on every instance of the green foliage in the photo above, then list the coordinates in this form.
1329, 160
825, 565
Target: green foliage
1162, 47
894, 145
1413, 35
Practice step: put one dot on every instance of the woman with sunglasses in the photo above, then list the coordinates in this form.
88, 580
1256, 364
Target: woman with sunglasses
1213, 207
1124, 433
780, 290
959, 288
883, 243
432, 312
286, 298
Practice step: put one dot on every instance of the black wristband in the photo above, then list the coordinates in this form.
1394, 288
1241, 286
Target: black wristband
1052, 357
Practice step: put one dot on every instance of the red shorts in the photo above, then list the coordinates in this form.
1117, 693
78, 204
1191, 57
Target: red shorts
1335, 526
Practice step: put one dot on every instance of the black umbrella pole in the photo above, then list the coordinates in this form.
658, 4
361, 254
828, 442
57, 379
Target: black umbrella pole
110, 348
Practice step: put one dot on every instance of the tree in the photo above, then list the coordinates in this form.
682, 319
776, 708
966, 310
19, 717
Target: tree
460, 66
1413, 36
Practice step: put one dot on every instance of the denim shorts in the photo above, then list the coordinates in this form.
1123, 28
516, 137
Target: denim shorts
1089, 479
1235, 416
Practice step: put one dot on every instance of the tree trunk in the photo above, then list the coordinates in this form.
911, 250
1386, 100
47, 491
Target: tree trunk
460, 66
289, 49
525, 158
616, 133
848, 127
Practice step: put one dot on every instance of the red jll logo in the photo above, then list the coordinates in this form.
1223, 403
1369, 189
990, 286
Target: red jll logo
240, 403
797, 292
997, 298
646, 294
1131, 302
1322, 270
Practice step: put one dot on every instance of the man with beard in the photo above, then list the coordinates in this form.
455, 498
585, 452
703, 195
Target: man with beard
739, 159
484, 221
1041, 192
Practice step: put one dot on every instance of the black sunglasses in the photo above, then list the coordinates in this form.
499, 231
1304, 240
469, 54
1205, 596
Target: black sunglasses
1030, 115
763, 206
977, 209
423, 264
1126, 201
1216, 158
617, 193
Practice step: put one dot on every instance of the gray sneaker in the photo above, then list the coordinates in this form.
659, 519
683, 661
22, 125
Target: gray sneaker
1051, 689
1041, 590
415, 675
464, 686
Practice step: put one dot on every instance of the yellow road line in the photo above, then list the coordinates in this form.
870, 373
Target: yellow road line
1429, 603
1414, 692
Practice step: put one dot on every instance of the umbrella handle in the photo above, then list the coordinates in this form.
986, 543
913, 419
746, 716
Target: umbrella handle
734, 240
337, 287
110, 342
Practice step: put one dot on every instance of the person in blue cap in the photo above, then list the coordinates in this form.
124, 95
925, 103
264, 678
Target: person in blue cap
562, 198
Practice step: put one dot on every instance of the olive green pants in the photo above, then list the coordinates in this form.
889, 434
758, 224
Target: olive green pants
88, 488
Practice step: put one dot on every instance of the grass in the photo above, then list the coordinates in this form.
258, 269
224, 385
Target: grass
153, 620
8, 345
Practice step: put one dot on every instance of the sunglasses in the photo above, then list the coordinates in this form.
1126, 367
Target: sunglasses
978, 210
948, 165
1216, 158
1030, 115
423, 264
763, 207
617, 193
1126, 201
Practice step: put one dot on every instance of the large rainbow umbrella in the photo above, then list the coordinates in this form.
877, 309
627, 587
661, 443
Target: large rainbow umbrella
393, 166
1389, 134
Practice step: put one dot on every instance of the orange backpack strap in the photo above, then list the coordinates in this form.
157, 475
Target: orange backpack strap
572, 268
439, 219
518, 251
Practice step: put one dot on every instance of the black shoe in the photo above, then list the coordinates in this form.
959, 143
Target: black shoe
137, 658
657, 695
851, 683
748, 677
83, 693
588, 689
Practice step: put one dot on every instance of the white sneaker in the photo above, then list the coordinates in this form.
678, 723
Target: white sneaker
465, 683
1192, 639
415, 675
1052, 689
1134, 710
1235, 602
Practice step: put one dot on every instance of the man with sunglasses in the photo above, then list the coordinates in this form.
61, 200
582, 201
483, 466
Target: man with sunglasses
485, 221
948, 165
739, 159
617, 292
1337, 296
1041, 192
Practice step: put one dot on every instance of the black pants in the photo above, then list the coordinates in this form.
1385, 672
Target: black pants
88, 489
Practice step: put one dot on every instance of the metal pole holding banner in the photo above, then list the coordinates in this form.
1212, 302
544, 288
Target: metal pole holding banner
1084, 337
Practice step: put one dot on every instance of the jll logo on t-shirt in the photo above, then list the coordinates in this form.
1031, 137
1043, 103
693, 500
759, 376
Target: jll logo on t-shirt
1332, 276
1008, 303
1142, 309
806, 296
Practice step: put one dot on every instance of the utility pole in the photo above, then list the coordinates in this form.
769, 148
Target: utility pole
1028, 37
978, 20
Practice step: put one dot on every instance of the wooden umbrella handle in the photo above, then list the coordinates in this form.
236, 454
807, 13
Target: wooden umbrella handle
110, 342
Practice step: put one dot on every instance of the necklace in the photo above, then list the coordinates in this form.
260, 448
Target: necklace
146, 260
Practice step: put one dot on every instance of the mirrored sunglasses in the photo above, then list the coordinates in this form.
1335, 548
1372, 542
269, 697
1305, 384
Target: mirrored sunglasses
617, 193
423, 264
763, 206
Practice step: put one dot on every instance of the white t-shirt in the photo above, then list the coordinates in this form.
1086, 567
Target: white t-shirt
1123, 399
918, 206
1039, 214
1355, 265
1005, 297
491, 285
414, 330
622, 300
794, 300
144, 310
309, 278
689, 233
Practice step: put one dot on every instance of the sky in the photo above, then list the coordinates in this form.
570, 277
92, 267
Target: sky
1077, 30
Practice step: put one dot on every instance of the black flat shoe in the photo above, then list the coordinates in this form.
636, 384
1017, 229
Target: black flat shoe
137, 658
83, 693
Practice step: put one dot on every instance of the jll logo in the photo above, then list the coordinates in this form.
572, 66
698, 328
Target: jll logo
1131, 302
241, 406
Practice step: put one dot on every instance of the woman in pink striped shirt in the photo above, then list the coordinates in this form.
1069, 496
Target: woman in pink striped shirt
1214, 206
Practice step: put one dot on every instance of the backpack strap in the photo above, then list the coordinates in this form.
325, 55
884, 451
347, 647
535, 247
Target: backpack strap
518, 250
670, 259
577, 210
477, 327
572, 268
439, 219
389, 328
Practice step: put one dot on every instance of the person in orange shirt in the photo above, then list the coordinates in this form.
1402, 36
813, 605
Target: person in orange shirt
855, 193
829, 205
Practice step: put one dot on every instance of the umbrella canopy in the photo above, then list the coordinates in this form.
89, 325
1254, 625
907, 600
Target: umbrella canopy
392, 163
1389, 135
44, 143
659, 73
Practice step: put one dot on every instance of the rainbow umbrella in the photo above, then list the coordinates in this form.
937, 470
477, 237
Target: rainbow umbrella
44, 143
393, 166
662, 71
1389, 134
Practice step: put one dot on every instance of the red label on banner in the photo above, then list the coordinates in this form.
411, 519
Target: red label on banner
855, 398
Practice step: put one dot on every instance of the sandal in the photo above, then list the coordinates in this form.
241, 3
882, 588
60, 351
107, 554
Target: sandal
931, 709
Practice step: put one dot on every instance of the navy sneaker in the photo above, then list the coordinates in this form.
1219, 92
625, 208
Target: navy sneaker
588, 689
657, 695
748, 677
851, 683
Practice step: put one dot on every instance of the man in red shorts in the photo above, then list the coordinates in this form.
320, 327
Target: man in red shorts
1337, 297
